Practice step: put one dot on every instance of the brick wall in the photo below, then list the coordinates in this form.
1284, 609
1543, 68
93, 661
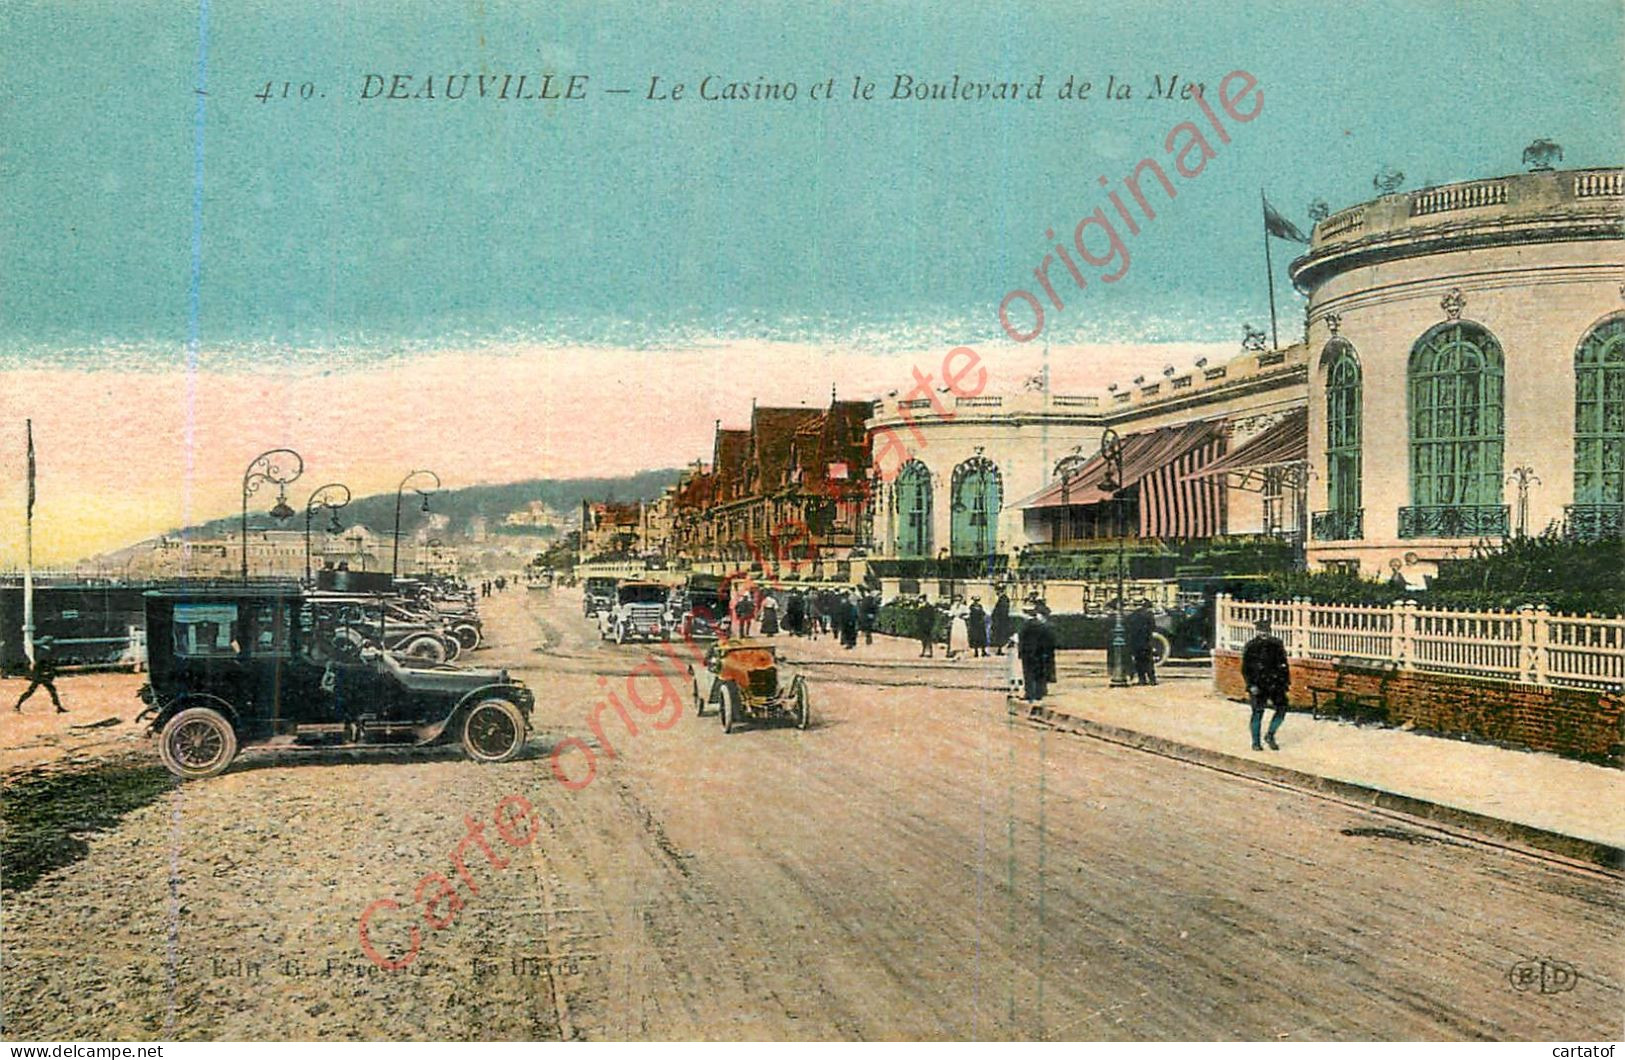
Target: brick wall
1568, 721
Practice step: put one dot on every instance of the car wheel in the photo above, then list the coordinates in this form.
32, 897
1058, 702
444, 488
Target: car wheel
803, 701
699, 703
493, 731
196, 743
468, 635
730, 707
453, 647
424, 648
1160, 648
620, 634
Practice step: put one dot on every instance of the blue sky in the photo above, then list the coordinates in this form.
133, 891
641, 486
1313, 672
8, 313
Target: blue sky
385, 226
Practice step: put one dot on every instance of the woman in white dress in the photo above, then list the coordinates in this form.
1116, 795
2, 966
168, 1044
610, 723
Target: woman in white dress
958, 627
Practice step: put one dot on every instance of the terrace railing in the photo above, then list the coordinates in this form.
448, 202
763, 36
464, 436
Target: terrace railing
1530, 645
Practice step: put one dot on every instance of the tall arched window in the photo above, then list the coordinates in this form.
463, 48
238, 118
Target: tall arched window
978, 494
1599, 431
1457, 434
913, 507
1342, 522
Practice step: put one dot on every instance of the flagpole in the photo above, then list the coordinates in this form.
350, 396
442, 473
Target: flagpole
1269, 270
28, 555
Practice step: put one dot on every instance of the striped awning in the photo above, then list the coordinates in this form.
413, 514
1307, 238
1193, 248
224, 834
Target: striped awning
1285, 444
1164, 464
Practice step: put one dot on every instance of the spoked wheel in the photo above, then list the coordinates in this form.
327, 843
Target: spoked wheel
468, 635
453, 647
730, 707
803, 702
1160, 648
424, 649
620, 634
196, 743
494, 731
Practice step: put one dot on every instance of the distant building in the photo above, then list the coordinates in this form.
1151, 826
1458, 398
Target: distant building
793, 485
610, 528
1467, 375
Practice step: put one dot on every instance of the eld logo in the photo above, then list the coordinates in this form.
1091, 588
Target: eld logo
1546, 976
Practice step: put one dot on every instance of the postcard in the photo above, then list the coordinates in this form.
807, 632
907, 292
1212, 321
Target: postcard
927, 522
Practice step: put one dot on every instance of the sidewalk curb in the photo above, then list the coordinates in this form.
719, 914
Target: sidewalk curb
1586, 850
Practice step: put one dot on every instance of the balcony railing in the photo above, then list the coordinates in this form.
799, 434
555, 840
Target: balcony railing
1593, 522
1453, 520
1338, 526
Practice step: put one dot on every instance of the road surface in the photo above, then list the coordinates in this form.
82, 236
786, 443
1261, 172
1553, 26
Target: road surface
917, 864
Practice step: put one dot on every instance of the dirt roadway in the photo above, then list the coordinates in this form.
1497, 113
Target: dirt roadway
917, 864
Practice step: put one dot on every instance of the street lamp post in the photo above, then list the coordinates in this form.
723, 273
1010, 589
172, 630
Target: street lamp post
321, 499
1524, 476
395, 555
1111, 451
278, 467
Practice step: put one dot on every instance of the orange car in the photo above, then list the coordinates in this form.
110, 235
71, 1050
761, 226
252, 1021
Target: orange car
743, 679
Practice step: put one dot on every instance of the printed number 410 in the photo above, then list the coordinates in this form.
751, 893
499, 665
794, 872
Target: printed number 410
304, 90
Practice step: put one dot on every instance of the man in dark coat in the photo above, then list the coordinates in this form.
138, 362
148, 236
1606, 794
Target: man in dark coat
1264, 667
847, 610
925, 627
1001, 628
976, 622
744, 611
795, 612
1139, 626
868, 616
42, 674
1037, 649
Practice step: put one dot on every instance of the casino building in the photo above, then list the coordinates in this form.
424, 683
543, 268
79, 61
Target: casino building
1466, 368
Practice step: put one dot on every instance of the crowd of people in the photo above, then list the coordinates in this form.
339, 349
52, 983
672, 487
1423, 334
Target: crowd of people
811, 613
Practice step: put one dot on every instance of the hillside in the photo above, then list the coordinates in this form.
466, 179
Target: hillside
470, 502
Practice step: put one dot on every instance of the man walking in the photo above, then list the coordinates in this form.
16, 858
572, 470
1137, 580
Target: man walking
1000, 628
1264, 667
1036, 646
868, 616
1142, 626
42, 675
925, 627
744, 611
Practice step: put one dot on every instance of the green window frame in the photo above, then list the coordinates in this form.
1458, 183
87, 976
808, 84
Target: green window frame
1457, 411
978, 494
913, 497
1599, 414
1343, 398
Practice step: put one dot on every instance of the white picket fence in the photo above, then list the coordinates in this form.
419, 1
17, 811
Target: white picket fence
1530, 645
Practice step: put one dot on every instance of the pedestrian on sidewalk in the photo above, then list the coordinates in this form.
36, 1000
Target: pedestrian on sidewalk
1142, 626
868, 615
846, 611
925, 627
795, 613
1000, 628
1264, 668
42, 674
770, 616
744, 611
976, 619
958, 627
1036, 646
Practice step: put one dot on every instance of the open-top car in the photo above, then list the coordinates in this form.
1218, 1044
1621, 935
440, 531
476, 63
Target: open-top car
743, 679
254, 665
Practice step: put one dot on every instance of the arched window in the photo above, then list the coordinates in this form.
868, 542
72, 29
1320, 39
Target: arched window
913, 507
1599, 420
1342, 442
1456, 433
978, 494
